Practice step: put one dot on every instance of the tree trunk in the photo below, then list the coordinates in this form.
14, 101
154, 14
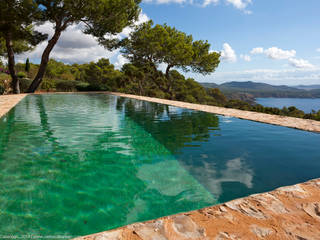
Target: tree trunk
140, 88
44, 61
11, 64
169, 89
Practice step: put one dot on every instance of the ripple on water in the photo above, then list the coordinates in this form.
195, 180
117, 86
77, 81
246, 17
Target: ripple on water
78, 164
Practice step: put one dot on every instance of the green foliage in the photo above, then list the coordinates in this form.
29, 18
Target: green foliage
58, 70
4, 83
152, 45
21, 75
100, 75
24, 84
20, 67
65, 85
16, 19
16, 31
19, 46
217, 95
2, 90
48, 84
165, 44
101, 17
82, 86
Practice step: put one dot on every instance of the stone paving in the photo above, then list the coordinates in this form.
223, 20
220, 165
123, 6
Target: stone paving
9, 101
286, 213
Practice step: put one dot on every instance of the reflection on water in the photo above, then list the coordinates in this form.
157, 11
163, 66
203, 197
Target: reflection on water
173, 127
78, 164
88, 165
230, 157
209, 174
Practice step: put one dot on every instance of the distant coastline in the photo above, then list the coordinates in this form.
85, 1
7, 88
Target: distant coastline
250, 91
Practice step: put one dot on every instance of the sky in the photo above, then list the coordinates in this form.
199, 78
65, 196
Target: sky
270, 41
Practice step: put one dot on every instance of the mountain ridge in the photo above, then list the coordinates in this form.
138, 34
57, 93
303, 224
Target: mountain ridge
249, 90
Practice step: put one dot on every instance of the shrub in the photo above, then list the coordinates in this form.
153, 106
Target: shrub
2, 90
66, 85
24, 84
48, 85
82, 86
21, 75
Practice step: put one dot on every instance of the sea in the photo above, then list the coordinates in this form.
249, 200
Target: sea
304, 104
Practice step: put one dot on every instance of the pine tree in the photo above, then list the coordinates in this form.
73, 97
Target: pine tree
27, 67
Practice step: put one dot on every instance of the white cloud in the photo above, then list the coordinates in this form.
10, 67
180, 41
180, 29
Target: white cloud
121, 60
300, 63
208, 2
246, 58
75, 46
274, 52
240, 4
277, 53
127, 30
228, 54
257, 50
318, 50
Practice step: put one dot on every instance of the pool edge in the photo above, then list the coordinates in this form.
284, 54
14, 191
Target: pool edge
7, 102
290, 212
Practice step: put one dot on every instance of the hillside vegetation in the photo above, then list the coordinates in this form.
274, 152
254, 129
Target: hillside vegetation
237, 90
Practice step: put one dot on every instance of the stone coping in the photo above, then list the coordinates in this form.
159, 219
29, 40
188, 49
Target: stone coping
9, 101
286, 213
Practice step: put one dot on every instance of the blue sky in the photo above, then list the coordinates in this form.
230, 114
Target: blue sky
277, 26
272, 41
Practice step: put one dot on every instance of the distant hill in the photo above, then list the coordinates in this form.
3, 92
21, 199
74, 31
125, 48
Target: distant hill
308, 87
251, 86
210, 85
249, 90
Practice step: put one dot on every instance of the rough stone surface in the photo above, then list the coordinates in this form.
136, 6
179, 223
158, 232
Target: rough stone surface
9, 101
285, 213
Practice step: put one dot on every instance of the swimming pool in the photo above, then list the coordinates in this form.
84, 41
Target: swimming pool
75, 164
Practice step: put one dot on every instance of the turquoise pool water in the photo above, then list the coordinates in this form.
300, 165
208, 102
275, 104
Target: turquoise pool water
77, 164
